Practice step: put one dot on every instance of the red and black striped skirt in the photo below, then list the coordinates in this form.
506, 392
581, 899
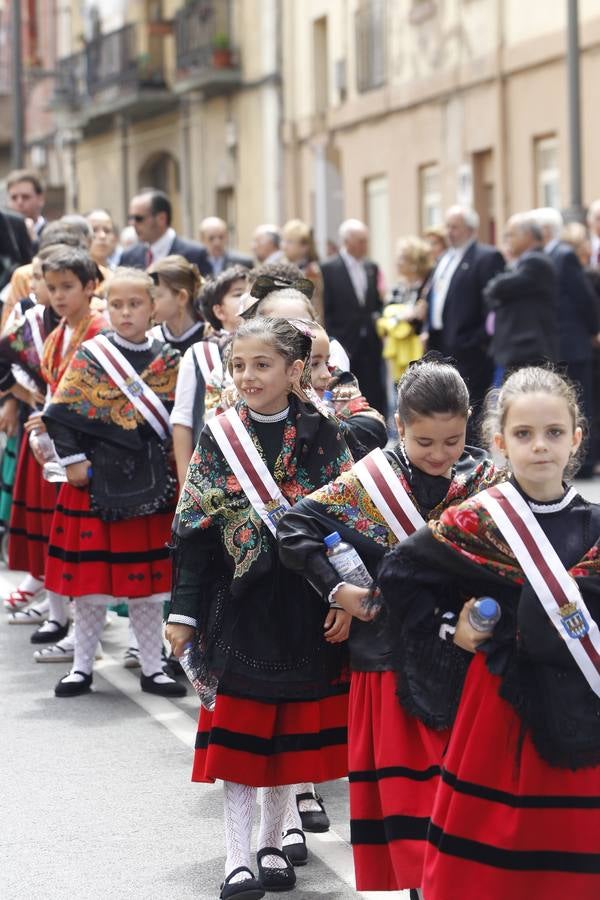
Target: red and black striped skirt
34, 500
267, 743
122, 559
394, 763
505, 823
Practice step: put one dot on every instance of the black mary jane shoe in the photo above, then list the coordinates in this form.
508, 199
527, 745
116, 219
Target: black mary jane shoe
43, 635
163, 689
297, 853
273, 879
73, 688
248, 889
315, 820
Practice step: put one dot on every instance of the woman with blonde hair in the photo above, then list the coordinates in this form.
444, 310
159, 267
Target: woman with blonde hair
406, 308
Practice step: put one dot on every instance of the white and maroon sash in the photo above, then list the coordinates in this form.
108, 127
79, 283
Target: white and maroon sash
249, 468
120, 370
34, 317
208, 359
558, 593
388, 494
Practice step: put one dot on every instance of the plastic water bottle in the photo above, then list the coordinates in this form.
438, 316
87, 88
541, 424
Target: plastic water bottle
484, 614
206, 688
328, 403
346, 561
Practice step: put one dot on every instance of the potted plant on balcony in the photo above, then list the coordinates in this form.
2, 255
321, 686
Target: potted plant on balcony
221, 51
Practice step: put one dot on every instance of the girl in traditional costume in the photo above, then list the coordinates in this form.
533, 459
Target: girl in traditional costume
281, 706
178, 283
517, 812
393, 758
201, 367
109, 420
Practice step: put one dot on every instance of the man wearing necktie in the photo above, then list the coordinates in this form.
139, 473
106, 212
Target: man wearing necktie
457, 311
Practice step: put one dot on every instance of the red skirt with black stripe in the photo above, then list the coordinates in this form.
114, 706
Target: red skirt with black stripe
34, 500
507, 824
122, 559
394, 763
267, 743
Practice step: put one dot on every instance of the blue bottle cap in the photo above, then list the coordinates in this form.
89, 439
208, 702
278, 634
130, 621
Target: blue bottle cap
486, 607
327, 395
332, 539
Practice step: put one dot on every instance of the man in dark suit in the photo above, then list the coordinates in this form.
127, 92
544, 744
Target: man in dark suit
351, 304
524, 300
217, 257
15, 244
457, 311
150, 214
577, 313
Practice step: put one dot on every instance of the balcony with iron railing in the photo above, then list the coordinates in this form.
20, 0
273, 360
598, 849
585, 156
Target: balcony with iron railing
121, 70
205, 56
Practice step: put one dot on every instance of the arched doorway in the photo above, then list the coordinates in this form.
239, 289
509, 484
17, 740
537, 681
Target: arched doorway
161, 171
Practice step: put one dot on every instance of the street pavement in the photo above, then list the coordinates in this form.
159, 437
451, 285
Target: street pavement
95, 795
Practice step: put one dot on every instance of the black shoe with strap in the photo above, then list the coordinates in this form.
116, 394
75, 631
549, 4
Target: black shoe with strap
247, 889
297, 852
273, 878
314, 820
169, 688
73, 688
45, 635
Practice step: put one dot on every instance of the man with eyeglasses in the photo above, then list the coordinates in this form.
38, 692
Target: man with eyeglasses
150, 214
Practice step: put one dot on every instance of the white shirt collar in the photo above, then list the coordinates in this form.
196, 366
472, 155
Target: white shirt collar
162, 246
549, 247
179, 339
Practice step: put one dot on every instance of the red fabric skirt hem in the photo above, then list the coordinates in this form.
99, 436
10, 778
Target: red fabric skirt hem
266, 744
86, 555
394, 763
31, 514
505, 823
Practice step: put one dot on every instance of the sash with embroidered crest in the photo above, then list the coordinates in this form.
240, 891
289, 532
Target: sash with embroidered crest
388, 494
249, 468
208, 359
122, 373
558, 593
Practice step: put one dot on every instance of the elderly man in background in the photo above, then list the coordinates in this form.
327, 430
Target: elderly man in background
577, 313
524, 300
457, 310
266, 244
351, 304
214, 237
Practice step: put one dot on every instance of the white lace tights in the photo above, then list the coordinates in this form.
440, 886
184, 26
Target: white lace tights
239, 805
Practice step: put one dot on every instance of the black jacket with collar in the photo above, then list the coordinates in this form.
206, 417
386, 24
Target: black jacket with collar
525, 301
230, 259
577, 315
136, 255
465, 312
345, 317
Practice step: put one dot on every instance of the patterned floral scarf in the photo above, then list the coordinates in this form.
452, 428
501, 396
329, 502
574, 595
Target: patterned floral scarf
18, 345
54, 363
347, 501
469, 530
312, 453
87, 396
